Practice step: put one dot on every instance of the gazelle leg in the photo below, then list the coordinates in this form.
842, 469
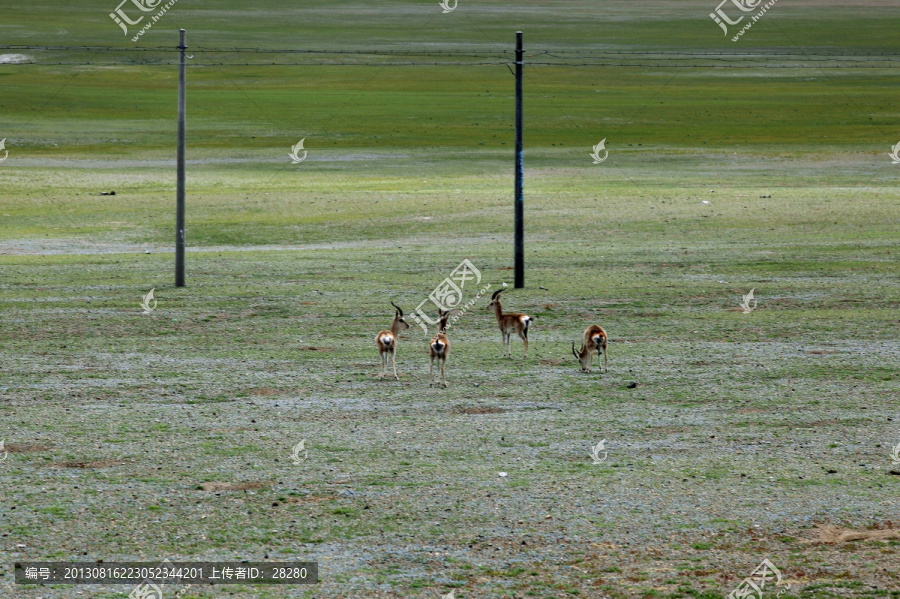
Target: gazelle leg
381, 378
431, 372
605, 361
443, 376
525, 341
394, 362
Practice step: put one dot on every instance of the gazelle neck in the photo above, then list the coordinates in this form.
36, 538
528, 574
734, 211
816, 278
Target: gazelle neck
395, 327
498, 309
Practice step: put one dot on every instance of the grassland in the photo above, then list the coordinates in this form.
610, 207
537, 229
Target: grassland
731, 437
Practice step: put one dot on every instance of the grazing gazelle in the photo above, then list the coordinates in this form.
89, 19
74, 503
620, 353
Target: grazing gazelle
594, 341
512, 322
387, 341
439, 348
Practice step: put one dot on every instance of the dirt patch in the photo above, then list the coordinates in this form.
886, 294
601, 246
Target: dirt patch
314, 348
477, 410
264, 391
836, 534
550, 362
311, 499
821, 352
94, 464
233, 486
26, 447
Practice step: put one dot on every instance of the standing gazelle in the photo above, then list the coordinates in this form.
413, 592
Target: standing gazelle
439, 348
512, 322
386, 341
595, 340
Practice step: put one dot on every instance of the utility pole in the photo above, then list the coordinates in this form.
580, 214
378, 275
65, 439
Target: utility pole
179, 186
519, 247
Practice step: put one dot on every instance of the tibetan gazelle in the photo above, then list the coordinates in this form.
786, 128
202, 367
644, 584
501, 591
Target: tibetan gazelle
386, 341
594, 342
509, 323
439, 349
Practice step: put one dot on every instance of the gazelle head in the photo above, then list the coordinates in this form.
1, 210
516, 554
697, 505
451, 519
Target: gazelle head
583, 356
443, 315
398, 317
495, 299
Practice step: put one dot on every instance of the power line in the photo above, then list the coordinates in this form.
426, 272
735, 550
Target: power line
456, 57
462, 64
456, 52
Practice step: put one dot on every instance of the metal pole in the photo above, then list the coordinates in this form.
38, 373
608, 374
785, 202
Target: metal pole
179, 187
519, 247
